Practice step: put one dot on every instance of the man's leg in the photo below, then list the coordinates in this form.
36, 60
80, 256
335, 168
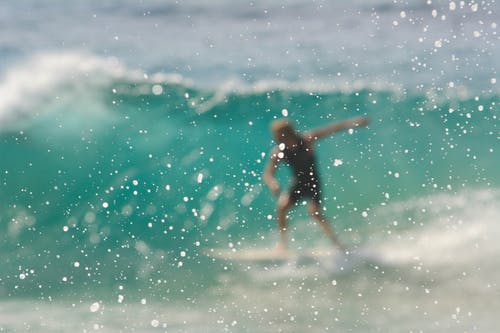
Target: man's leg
315, 211
284, 206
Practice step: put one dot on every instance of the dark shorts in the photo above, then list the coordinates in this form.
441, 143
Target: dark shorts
305, 189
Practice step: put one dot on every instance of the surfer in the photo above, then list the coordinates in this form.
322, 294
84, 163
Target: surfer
297, 150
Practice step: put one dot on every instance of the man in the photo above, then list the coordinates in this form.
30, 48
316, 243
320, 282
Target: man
297, 149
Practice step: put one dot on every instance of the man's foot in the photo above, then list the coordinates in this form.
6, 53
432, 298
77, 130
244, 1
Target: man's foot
343, 250
281, 247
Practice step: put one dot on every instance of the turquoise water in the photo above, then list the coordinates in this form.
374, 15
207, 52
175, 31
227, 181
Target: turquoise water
119, 173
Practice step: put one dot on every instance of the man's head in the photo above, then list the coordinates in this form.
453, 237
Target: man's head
284, 132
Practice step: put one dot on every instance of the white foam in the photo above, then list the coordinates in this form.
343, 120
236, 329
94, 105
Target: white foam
26, 85
448, 229
47, 76
312, 86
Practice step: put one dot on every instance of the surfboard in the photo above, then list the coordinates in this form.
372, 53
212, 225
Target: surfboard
329, 259
265, 254
251, 254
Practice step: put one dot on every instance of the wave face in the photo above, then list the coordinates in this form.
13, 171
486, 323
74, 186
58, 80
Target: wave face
115, 183
113, 177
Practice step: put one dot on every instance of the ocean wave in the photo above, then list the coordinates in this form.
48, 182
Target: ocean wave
48, 78
56, 80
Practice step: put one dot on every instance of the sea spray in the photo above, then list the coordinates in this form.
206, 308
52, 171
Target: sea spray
137, 193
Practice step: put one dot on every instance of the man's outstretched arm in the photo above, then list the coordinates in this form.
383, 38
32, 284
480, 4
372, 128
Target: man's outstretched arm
328, 130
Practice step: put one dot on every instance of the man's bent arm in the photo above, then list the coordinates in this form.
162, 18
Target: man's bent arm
269, 171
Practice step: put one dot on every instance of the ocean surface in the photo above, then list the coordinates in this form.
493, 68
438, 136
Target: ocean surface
134, 134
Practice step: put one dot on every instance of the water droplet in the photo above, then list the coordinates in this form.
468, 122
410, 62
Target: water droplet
94, 307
